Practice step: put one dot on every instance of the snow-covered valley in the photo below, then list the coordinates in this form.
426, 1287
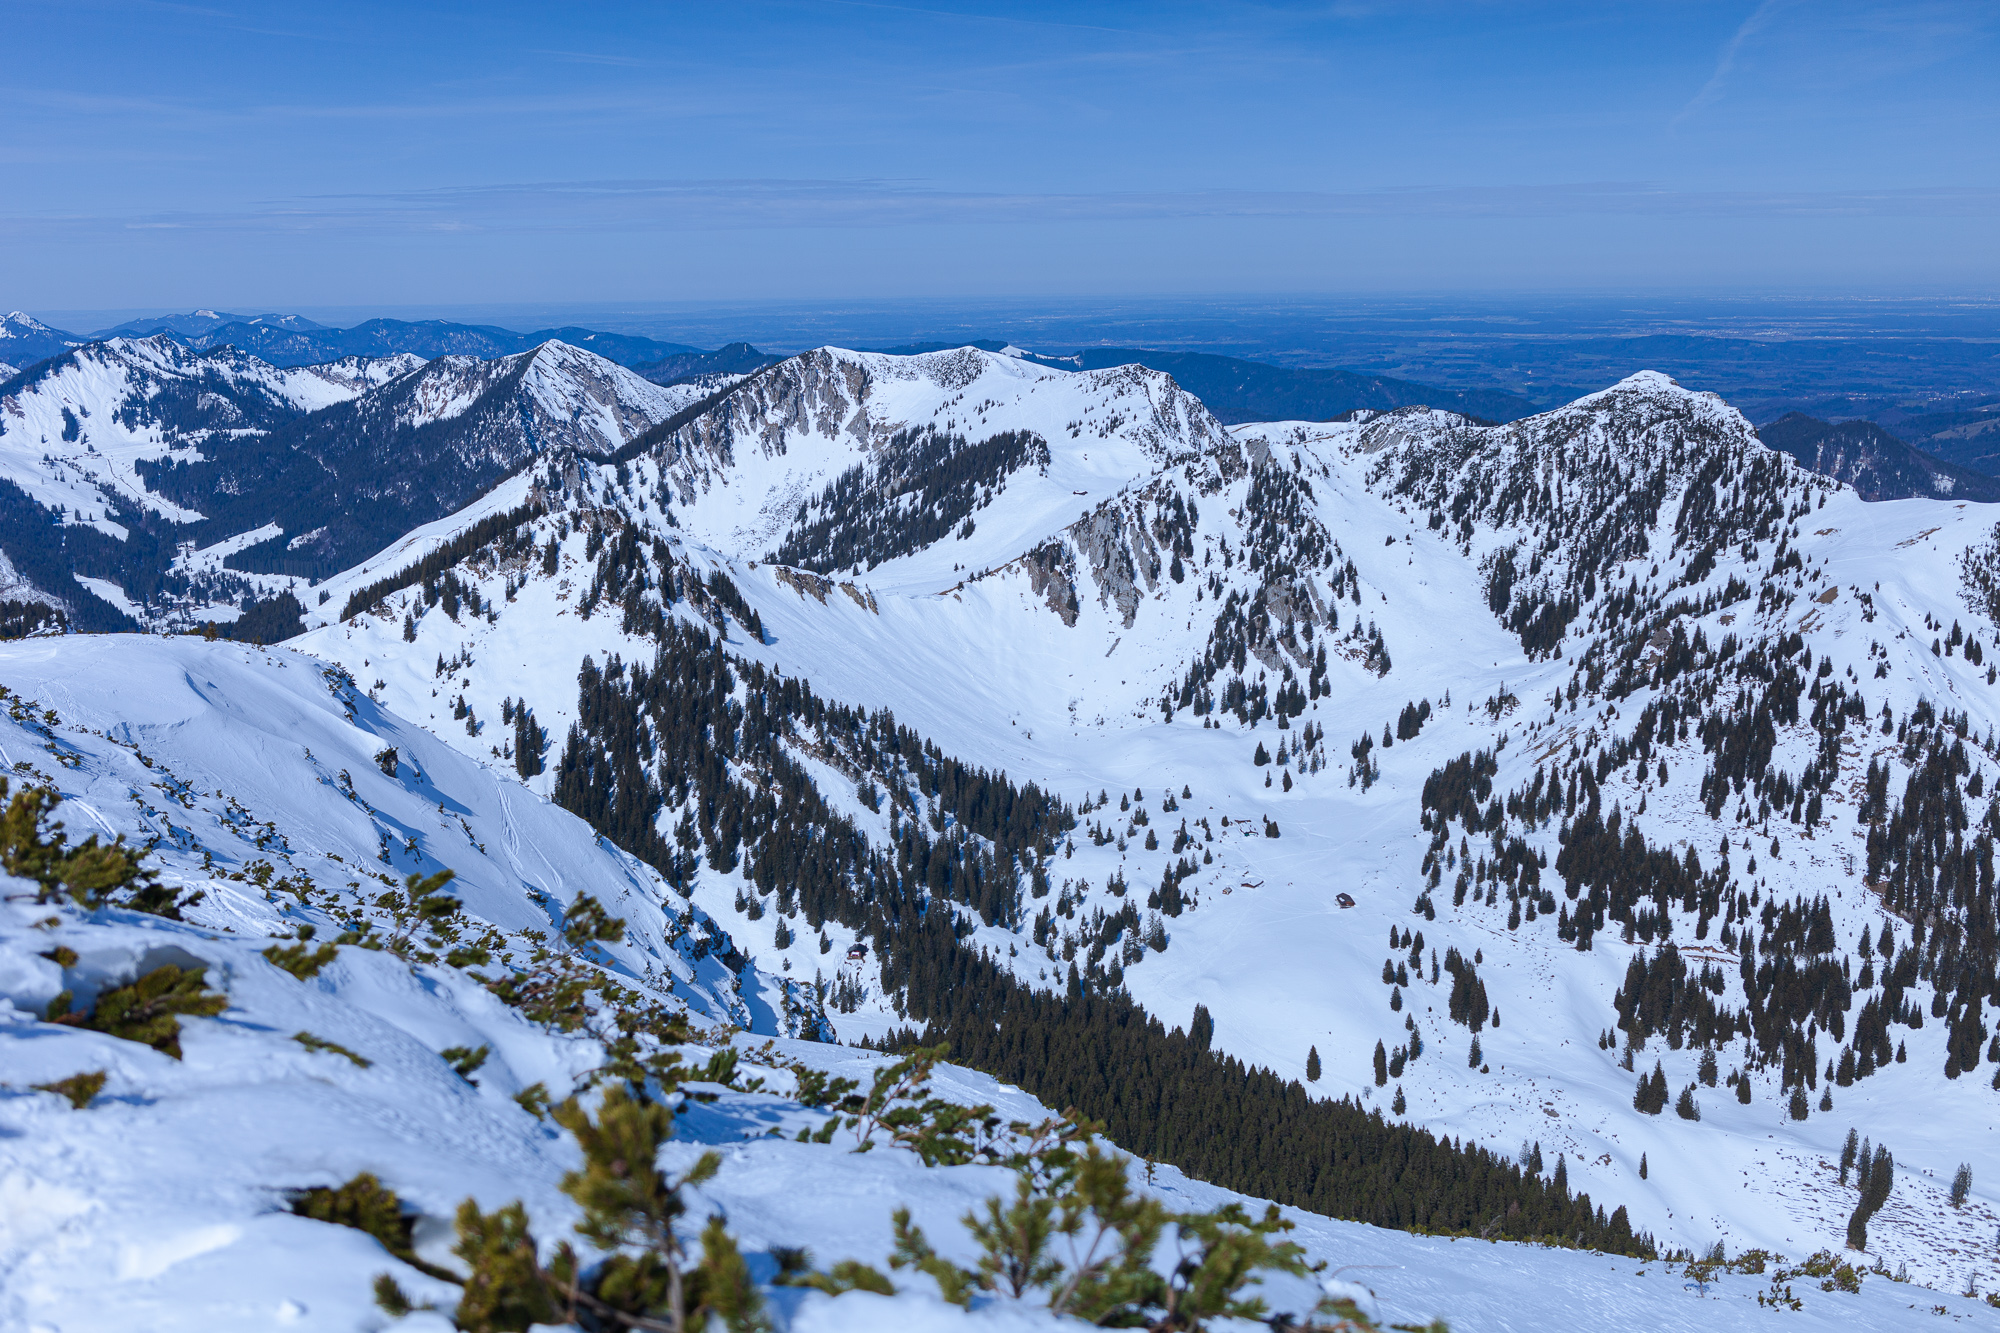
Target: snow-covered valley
162, 1202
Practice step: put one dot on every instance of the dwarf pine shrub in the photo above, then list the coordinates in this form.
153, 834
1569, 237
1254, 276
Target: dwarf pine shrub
148, 1010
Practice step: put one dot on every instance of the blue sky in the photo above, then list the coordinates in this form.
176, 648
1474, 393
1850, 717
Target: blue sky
283, 156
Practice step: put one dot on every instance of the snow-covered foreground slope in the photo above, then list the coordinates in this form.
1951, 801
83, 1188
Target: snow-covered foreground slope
162, 1203
1646, 520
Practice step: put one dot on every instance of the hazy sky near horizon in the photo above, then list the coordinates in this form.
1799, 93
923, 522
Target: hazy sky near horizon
267, 156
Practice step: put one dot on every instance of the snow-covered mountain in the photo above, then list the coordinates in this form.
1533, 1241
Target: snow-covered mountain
159, 1168
1039, 707
186, 482
79, 522
25, 339
344, 482
1087, 582
783, 453
72, 433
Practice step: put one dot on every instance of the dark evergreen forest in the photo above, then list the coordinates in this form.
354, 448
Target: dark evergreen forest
691, 758
922, 486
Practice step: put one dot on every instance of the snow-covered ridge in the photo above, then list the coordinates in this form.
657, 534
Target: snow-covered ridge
77, 436
564, 397
737, 475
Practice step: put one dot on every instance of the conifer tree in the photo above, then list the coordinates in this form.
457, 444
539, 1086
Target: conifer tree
1381, 1065
1312, 1064
1877, 1178
504, 1288
628, 1203
530, 741
1650, 1097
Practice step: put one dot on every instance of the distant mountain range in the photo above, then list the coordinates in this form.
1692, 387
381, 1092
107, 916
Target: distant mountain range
1239, 391
1909, 451
681, 367
1877, 464
25, 340
1968, 434
1235, 390
199, 323
290, 346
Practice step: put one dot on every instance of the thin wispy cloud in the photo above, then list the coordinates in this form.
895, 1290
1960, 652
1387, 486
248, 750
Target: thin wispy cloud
1725, 64
642, 206
595, 58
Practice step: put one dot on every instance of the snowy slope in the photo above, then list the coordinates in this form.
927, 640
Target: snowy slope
225, 757
977, 643
144, 1228
163, 1203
